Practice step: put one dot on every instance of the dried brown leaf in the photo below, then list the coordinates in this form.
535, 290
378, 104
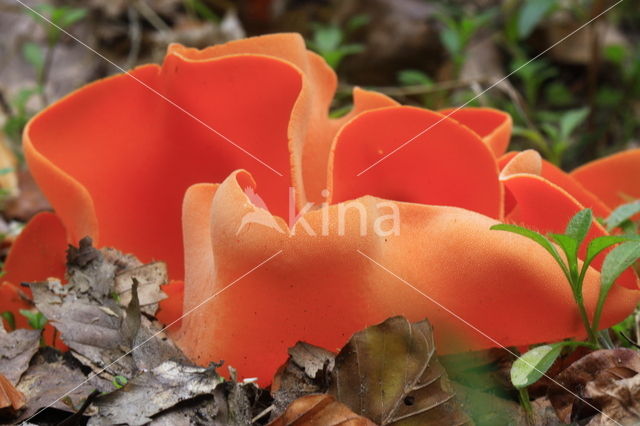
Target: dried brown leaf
154, 391
619, 402
319, 410
51, 375
305, 372
599, 371
100, 332
390, 373
150, 277
16, 350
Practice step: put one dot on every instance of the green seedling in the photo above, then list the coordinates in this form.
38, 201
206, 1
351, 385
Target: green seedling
615, 263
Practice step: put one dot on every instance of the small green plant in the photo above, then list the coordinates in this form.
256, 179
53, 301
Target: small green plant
615, 263
458, 32
531, 366
557, 132
198, 8
19, 114
329, 40
36, 319
58, 19
119, 381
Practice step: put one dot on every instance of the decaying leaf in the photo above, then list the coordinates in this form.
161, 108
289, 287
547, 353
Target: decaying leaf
51, 375
16, 350
11, 399
154, 391
319, 410
390, 373
305, 372
100, 332
150, 277
619, 402
593, 376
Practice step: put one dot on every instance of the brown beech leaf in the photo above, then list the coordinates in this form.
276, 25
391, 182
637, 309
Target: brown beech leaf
16, 350
390, 373
590, 376
319, 410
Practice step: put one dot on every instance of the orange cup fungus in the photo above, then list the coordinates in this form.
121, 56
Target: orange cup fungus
288, 225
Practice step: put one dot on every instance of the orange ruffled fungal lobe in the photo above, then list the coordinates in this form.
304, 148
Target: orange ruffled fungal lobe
149, 163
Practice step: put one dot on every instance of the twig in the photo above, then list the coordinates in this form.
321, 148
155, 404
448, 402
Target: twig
150, 15
262, 414
418, 89
4, 104
134, 35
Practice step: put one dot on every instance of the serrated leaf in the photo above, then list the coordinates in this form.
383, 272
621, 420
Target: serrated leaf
535, 236
621, 214
531, 366
579, 225
390, 373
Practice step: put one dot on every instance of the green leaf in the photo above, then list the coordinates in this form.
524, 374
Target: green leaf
327, 39
613, 266
618, 260
531, 366
621, 214
571, 120
69, 16
570, 246
120, 381
10, 319
414, 78
33, 53
598, 244
451, 41
531, 15
579, 225
615, 53
537, 237
36, 319
357, 22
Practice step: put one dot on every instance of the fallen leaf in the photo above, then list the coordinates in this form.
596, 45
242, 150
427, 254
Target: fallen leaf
597, 371
11, 399
390, 373
100, 332
16, 350
319, 410
150, 277
53, 374
619, 402
154, 391
306, 371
